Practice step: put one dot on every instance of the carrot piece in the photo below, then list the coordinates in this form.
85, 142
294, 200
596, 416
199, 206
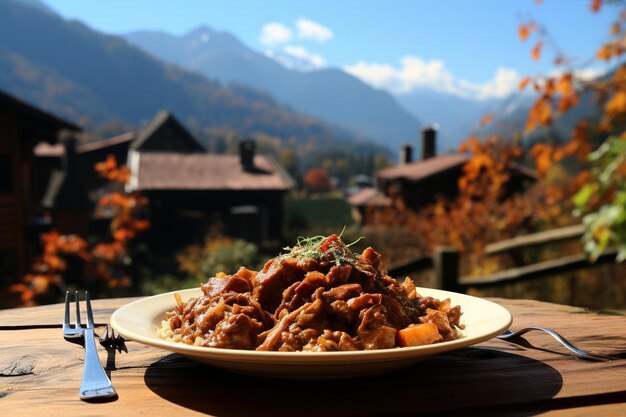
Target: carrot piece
418, 334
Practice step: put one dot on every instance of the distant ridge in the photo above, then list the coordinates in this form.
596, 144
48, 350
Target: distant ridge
86, 76
329, 94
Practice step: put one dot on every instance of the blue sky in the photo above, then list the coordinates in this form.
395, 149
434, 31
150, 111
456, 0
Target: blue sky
464, 47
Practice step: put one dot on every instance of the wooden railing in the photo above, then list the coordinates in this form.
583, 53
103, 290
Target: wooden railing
445, 262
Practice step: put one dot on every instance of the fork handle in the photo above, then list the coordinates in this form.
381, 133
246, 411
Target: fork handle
95, 381
569, 345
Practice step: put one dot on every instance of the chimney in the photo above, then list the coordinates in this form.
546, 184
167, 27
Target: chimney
429, 142
68, 161
406, 154
247, 149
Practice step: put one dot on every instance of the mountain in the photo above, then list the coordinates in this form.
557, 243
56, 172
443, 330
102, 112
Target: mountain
39, 5
455, 117
79, 73
512, 114
329, 94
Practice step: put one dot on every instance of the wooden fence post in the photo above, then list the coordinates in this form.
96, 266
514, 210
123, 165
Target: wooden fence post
446, 263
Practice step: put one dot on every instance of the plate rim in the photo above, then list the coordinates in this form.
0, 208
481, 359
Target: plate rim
302, 358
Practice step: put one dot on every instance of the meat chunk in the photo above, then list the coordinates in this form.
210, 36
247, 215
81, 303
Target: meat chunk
374, 332
343, 292
274, 278
365, 300
439, 319
236, 332
216, 286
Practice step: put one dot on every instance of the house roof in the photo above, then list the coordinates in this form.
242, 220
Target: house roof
137, 140
369, 197
162, 119
44, 149
416, 171
31, 115
177, 171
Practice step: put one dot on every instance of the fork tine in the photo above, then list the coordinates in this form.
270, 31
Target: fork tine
90, 322
66, 317
77, 320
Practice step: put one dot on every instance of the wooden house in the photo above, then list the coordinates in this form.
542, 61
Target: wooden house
418, 183
22, 126
164, 133
188, 190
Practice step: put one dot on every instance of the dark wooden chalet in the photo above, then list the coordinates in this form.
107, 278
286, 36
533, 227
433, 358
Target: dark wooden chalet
419, 183
22, 126
188, 193
86, 155
189, 190
164, 133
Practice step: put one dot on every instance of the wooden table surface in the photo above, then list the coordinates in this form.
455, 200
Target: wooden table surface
40, 374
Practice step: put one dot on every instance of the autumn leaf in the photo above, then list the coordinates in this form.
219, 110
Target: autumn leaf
540, 113
549, 87
123, 235
536, 51
567, 102
605, 52
596, 5
487, 119
564, 84
105, 166
619, 77
616, 104
615, 28
523, 83
580, 136
542, 154
474, 166
472, 144
141, 225
523, 32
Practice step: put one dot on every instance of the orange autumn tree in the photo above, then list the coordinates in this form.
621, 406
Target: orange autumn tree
317, 180
110, 258
45, 283
601, 199
104, 263
485, 210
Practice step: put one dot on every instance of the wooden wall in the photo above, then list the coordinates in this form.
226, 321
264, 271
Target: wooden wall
12, 246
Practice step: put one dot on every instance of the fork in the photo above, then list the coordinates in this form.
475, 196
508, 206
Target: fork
583, 354
95, 382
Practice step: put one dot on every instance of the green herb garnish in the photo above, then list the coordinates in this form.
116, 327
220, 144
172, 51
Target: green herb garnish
323, 248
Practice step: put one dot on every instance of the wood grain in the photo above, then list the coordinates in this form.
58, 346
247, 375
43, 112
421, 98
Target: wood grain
40, 374
52, 315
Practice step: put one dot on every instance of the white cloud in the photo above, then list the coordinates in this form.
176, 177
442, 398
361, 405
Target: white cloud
301, 53
308, 29
274, 32
585, 74
414, 72
297, 57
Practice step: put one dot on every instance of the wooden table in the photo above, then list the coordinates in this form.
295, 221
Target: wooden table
40, 374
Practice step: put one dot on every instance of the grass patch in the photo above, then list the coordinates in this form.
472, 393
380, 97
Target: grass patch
316, 215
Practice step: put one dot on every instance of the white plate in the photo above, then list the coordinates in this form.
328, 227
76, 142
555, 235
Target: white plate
140, 320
